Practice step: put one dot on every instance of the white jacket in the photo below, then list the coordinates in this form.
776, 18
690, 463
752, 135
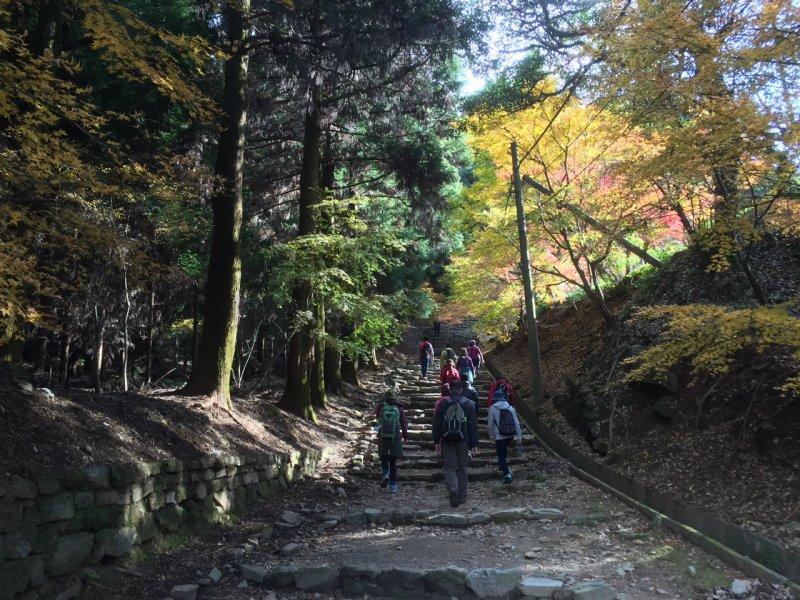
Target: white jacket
494, 420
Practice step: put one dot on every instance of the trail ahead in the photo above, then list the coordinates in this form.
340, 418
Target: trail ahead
339, 534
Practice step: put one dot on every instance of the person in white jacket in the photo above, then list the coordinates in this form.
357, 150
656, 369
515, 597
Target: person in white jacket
504, 426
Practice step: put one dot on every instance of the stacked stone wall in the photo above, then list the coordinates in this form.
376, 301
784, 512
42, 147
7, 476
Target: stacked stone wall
54, 524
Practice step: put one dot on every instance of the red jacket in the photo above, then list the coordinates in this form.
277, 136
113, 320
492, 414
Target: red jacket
510, 393
449, 375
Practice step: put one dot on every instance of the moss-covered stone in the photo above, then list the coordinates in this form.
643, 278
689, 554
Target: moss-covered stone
69, 553
10, 517
170, 518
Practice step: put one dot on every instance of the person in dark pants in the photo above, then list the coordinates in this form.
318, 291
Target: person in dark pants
503, 425
392, 433
455, 431
425, 355
437, 329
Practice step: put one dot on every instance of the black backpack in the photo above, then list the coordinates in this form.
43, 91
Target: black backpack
506, 424
455, 422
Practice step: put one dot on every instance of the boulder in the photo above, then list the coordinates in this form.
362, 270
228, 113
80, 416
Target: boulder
282, 576
493, 583
317, 579
593, 590
540, 587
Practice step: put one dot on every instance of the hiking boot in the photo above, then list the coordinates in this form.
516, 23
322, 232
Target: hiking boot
508, 478
453, 499
393, 487
385, 480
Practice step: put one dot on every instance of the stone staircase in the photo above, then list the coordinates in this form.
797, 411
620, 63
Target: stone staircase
419, 396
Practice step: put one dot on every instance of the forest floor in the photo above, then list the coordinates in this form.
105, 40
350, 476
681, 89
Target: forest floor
752, 480
69, 428
597, 537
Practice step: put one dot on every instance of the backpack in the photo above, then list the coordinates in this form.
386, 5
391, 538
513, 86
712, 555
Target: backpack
389, 421
455, 420
506, 425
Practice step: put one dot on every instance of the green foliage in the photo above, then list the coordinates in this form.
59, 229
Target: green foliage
515, 88
711, 338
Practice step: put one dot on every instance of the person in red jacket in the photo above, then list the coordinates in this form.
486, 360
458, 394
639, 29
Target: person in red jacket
449, 374
501, 383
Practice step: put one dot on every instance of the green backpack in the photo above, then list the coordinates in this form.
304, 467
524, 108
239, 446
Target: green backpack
455, 420
389, 421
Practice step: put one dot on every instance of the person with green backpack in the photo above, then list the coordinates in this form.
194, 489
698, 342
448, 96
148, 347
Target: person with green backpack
455, 432
392, 433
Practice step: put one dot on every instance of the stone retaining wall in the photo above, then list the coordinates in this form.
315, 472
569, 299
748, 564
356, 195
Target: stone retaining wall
54, 524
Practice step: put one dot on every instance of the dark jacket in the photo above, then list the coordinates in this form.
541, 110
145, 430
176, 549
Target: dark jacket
470, 393
439, 426
464, 363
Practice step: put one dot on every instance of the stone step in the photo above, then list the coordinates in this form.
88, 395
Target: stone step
434, 462
437, 475
439, 582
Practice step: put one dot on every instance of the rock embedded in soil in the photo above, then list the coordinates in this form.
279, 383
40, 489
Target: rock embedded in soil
540, 587
317, 579
593, 590
184, 592
290, 549
254, 573
493, 583
292, 518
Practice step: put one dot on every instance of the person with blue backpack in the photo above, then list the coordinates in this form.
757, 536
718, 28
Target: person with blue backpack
503, 425
392, 433
455, 432
465, 367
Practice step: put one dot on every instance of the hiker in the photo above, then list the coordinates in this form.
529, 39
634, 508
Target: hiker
449, 374
465, 367
503, 425
437, 329
447, 354
502, 384
443, 398
455, 432
392, 433
470, 393
476, 354
425, 355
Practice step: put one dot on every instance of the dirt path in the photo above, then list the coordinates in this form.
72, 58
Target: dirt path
547, 529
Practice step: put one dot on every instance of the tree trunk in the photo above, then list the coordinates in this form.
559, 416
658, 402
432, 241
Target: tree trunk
212, 373
527, 283
195, 326
333, 370
297, 397
350, 371
63, 360
125, 333
43, 36
317, 367
97, 357
151, 322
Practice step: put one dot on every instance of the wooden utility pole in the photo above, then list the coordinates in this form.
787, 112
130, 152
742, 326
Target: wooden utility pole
527, 283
